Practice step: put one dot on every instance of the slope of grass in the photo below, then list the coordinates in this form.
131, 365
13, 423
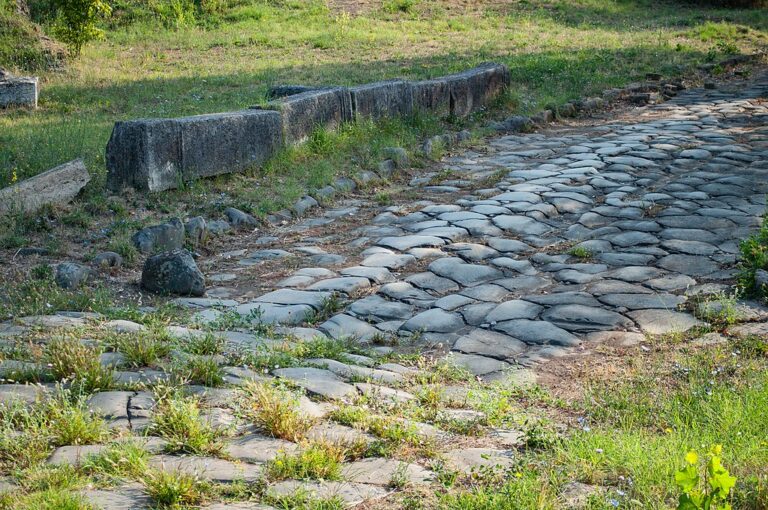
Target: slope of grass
21, 46
153, 64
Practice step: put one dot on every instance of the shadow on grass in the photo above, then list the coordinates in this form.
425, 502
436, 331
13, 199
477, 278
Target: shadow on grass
631, 15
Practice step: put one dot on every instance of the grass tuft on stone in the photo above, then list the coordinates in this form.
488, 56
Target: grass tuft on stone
178, 420
276, 411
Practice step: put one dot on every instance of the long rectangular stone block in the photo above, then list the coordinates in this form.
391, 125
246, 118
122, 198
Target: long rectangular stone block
432, 96
56, 186
21, 91
158, 154
475, 88
392, 98
302, 113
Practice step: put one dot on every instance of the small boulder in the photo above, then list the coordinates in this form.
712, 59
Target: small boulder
196, 230
514, 124
173, 272
71, 276
163, 237
386, 168
240, 219
761, 278
218, 227
463, 135
566, 110
108, 259
398, 155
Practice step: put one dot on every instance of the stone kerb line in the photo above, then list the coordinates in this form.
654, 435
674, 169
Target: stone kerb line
158, 154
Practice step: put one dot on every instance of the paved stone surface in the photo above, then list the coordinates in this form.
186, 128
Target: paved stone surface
535, 247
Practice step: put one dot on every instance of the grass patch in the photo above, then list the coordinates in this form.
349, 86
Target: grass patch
70, 358
149, 66
276, 411
175, 489
141, 349
316, 461
754, 259
177, 419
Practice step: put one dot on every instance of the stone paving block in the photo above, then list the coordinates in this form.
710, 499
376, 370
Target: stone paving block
57, 186
490, 344
353, 371
207, 468
258, 449
317, 381
659, 322
130, 497
345, 326
476, 364
466, 459
352, 494
381, 472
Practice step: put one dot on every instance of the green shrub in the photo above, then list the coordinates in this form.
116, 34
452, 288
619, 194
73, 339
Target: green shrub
754, 257
76, 22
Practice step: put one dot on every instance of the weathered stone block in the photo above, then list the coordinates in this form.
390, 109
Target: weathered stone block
321, 108
383, 99
56, 186
432, 96
157, 154
472, 89
21, 91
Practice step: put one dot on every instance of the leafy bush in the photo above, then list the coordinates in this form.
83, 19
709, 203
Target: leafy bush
76, 22
714, 492
754, 257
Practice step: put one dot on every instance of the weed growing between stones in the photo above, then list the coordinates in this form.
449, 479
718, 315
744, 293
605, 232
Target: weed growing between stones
121, 460
328, 308
275, 410
754, 262
318, 460
175, 489
70, 359
202, 370
580, 253
141, 349
177, 419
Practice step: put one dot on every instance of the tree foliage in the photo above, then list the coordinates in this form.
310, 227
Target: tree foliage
76, 22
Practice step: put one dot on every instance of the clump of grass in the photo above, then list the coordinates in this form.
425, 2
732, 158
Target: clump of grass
441, 371
52, 499
72, 423
141, 349
69, 358
42, 297
580, 252
720, 310
23, 438
177, 420
396, 436
317, 461
203, 370
276, 411
125, 248
207, 344
754, 258
124, 459
329, 306
174, 489
44, 477
302, 500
